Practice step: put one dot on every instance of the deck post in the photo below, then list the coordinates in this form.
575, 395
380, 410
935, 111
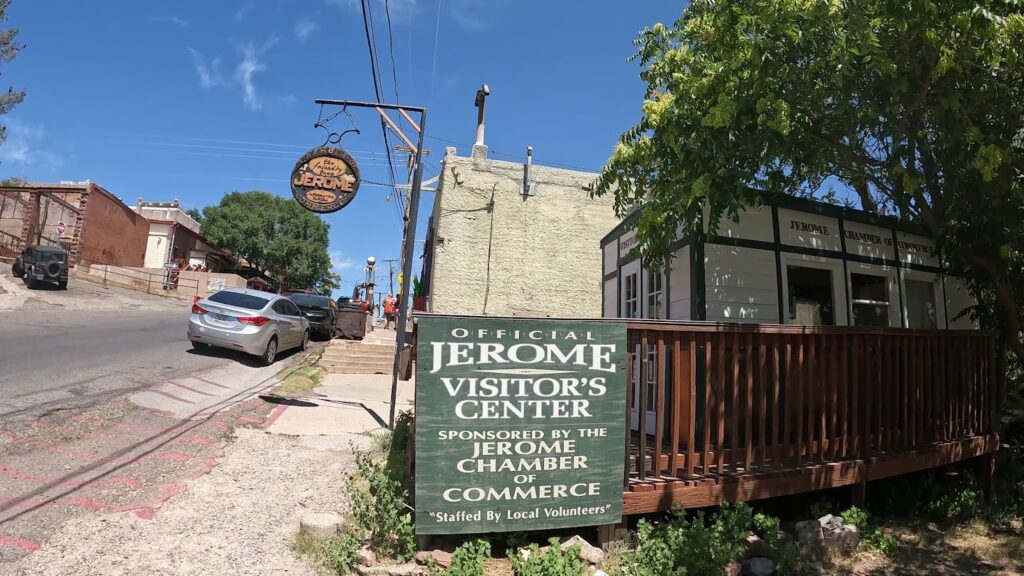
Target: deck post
859, 496
608, 534
985, 470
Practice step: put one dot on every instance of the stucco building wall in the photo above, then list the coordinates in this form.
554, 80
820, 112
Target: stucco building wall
111, 232
493, 252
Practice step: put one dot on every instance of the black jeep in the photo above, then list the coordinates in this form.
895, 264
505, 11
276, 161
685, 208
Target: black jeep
42, 264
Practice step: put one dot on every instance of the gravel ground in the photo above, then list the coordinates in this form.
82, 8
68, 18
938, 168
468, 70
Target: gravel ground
239, 519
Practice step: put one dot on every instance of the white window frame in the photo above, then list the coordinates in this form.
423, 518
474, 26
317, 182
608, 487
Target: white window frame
839, 287
631, 269
889, 273
940, 302
648, 293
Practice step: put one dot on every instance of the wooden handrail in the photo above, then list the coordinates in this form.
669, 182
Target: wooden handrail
737, 399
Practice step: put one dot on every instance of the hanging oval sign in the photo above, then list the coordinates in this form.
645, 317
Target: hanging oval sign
325, 179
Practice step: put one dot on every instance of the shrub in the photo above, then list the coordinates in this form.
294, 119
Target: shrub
684, 546
380, 509
341, 552
955, 506
467, 560
821, 508
857, 517
879, 542
765, 526
551, 562
399, 443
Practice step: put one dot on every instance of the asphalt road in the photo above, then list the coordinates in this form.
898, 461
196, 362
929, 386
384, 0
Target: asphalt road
54, 360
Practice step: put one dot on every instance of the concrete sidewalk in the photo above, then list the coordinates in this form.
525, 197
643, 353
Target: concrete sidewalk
346, 409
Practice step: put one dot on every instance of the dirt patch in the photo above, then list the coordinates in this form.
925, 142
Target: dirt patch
238, 519
973, 548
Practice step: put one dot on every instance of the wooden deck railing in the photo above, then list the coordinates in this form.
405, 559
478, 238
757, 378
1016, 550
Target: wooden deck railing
741, 399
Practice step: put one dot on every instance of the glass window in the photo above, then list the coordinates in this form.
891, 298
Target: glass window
921, 311
810, 296
239, 299
632, 297
869, 295
655, 306
288, 309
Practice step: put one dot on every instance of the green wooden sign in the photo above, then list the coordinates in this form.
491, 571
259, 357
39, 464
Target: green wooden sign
520, 424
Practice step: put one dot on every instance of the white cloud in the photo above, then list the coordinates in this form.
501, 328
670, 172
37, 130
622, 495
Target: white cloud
176, 20
466, 13
243, 11
340, 262
209, 75
25, 148
303, 29
244, 72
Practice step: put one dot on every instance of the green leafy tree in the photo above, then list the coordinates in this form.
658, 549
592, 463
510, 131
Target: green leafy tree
916, 107
195, 214
9, 48
328, 284
272, 233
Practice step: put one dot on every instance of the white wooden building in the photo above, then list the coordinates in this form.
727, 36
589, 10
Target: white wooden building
791, 261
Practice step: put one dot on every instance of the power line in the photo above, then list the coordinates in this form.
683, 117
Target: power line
371, 47
433, 71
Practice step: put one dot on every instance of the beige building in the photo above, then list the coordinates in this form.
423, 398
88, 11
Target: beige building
494, 250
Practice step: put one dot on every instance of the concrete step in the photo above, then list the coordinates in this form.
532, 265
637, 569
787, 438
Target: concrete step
358, 368
357, 354
357, 357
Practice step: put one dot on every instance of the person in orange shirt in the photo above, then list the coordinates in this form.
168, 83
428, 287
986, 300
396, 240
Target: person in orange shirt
389, 311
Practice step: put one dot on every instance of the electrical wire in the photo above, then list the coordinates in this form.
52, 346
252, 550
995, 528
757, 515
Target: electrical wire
371, 47
433, 71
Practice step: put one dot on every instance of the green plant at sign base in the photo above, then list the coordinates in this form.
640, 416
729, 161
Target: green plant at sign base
467, 560
380, 508
701, 545
341, 552
553, 562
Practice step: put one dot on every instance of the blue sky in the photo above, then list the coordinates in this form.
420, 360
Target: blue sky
192, 100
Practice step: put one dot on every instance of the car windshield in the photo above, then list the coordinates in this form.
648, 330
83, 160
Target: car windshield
51, 256
239, 299
309, 300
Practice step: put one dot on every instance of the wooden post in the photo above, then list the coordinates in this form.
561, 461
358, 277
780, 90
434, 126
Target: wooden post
985, 469
608, 534
860, 494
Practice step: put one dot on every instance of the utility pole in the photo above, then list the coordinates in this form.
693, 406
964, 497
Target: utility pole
391, 274
409, 238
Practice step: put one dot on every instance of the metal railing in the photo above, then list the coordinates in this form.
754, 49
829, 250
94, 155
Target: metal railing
166, 283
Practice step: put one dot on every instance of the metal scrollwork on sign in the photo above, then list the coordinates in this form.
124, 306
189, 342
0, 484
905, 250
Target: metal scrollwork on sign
325, 179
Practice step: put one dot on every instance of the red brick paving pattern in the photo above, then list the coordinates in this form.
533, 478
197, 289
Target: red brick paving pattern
113, 459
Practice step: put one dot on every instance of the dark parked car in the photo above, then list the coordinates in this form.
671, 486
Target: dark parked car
42, 264
321, 312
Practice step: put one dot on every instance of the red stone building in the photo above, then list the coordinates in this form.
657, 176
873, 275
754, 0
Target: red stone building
88, 221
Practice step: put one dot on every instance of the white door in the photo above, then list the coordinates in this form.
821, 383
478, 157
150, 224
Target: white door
650, 387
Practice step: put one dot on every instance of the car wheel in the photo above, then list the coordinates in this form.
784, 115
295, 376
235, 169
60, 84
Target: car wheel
199, 346
16, 271
30, 281
305, 340
270, 354
63, 284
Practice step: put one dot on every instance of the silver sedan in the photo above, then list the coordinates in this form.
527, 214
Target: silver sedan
255, 322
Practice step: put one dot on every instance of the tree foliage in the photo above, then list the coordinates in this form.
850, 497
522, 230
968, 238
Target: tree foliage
9, 48
273, 234
328, 284
915, 107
